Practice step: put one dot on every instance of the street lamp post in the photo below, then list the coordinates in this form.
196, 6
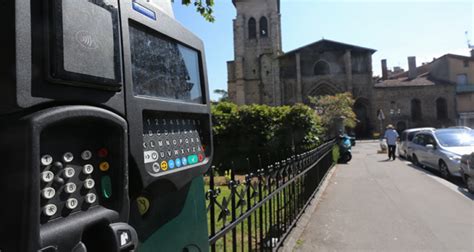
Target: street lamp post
381, 118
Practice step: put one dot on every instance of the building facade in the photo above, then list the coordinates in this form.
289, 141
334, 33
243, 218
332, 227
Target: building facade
262, 73
436, 94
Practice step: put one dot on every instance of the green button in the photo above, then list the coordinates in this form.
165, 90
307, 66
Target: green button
192, 159
106, 187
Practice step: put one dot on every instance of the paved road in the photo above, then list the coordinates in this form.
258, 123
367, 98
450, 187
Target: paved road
373, 204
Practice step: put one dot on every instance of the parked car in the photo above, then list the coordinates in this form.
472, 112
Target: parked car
405, 139
467, 171
442, 149
459, 127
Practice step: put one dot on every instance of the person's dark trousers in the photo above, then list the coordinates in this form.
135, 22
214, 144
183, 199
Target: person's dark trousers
391, 151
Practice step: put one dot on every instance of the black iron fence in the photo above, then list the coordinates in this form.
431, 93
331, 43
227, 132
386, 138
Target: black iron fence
256, 212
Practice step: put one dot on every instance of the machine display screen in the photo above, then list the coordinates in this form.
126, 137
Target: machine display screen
163, 68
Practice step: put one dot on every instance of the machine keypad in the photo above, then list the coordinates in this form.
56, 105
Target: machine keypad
69, 172
47, 176
68, 157
48, 193
171, 143
69, 185
50, 210
88, 169
46, 160
86, 155
70, 188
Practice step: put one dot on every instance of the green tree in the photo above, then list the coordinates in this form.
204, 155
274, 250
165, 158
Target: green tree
303, 125
205, 8
224, 95
242, 132
332, 107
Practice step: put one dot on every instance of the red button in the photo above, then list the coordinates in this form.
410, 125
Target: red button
200, 157
103, 152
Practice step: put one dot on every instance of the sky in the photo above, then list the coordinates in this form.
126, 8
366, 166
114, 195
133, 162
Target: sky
395, 28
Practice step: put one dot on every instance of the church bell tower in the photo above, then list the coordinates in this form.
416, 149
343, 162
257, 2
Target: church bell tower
253, 75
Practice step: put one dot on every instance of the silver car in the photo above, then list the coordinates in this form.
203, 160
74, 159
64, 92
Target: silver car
442, 149
467, 171
405, 140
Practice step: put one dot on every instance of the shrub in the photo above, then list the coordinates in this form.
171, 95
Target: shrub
241, 134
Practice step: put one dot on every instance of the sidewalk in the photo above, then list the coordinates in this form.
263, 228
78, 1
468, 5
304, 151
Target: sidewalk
376, 205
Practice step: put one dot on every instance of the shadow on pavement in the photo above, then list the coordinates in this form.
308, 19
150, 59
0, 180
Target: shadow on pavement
455, 180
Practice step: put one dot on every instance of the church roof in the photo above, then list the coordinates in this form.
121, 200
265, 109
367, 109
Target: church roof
422, 79
327, 44
406, 82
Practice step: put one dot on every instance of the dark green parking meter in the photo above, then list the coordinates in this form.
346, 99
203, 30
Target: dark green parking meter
105, 128
168, 112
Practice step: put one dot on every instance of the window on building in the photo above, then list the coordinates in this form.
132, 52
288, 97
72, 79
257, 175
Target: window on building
441, 109
416, 110
466, 63
252, 28
321, 68
461, 79
263, 27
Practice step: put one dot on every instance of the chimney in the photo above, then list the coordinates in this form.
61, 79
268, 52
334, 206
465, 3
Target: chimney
384, 69
412, 67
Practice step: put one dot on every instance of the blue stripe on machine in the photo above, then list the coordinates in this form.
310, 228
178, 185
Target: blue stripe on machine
143, 10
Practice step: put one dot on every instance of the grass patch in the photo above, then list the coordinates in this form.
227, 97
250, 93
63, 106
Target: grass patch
241, 230
335, 153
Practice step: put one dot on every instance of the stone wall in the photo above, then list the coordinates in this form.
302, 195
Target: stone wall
396, 98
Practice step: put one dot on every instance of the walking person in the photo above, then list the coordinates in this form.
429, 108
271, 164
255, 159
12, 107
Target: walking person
391, 135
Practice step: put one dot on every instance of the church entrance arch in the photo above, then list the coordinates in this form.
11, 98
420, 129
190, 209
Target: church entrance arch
324, 88
361, 109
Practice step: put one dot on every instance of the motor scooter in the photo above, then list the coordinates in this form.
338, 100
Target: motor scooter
345, 149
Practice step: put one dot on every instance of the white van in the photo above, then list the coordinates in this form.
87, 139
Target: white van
406, 138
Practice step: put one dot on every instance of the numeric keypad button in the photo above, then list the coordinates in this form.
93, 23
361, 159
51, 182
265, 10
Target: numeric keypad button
89, 183
91, 198
87, 169
86, 155
71, 203
48, 193
69, 172
50, 210
47, 176
46, 160
70, 188
68, 157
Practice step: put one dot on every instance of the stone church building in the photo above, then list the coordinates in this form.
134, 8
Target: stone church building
262, 73
435, 94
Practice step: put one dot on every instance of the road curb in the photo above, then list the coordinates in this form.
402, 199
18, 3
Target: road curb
291, 241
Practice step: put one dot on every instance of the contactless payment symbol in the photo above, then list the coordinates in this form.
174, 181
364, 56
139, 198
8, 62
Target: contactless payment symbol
164, 165
178, 162
171, 164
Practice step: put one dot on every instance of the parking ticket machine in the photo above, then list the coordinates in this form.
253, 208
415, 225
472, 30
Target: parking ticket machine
104, 128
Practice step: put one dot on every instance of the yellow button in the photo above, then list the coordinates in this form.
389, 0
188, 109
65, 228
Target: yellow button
164, 166
143, 205
104, 166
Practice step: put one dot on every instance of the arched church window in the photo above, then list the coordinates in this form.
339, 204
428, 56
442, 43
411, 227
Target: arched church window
321, 68
263, 27
416, 110
441, 109
252, 28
